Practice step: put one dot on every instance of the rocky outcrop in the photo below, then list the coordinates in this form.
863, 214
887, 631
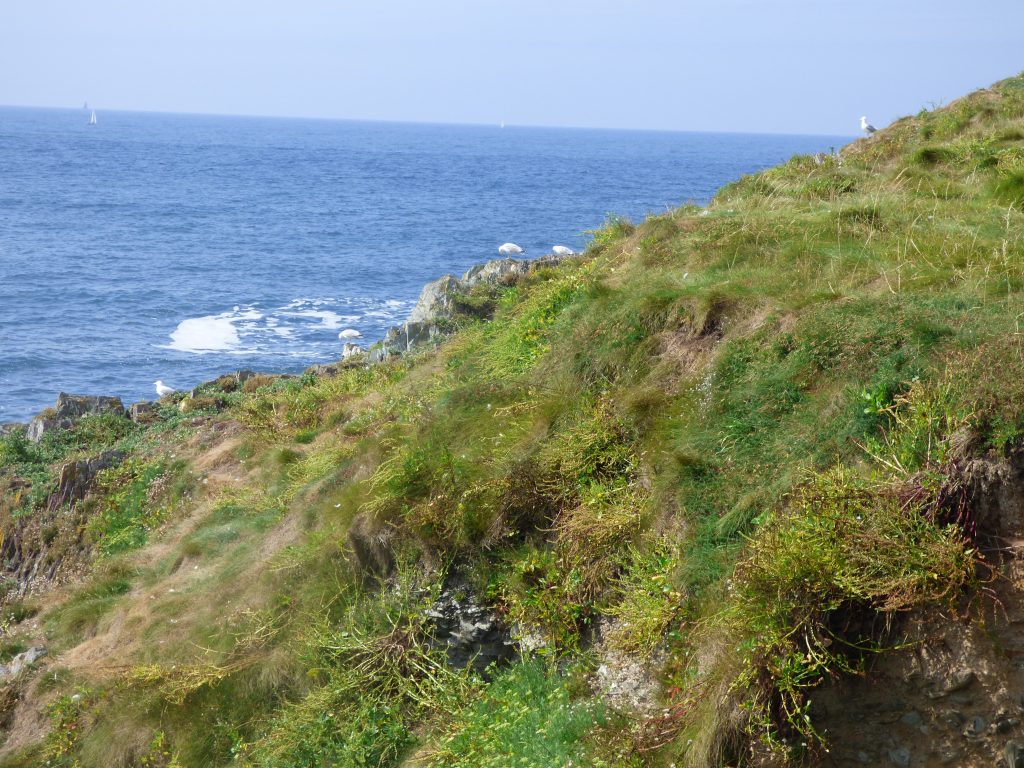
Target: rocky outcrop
439, 302
470, 634
77, 478
70, 408
20, 662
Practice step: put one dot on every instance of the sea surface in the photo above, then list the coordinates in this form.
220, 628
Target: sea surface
179, 247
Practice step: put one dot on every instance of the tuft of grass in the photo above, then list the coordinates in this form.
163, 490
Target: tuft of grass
812, 592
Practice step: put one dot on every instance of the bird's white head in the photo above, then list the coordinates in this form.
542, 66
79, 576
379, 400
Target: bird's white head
158, 383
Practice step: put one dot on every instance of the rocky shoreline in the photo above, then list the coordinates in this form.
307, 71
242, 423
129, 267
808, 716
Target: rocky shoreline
440, 302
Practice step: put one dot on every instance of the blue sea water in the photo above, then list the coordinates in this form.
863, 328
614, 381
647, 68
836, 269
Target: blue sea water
180, 247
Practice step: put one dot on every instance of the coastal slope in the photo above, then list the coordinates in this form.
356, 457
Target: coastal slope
740, 485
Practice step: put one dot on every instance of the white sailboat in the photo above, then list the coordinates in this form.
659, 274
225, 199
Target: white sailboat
92, 118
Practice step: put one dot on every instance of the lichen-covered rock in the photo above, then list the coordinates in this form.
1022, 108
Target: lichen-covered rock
70, 408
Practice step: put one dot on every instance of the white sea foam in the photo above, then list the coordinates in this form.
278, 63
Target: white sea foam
213, 333
297, 329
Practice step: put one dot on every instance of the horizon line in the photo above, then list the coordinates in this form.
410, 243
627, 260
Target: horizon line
500, 125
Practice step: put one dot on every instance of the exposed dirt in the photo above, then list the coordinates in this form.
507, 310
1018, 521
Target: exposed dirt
955, 695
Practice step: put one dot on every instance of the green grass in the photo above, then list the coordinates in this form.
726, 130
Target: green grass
528, 717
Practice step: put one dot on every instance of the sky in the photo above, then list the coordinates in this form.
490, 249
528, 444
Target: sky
788, 66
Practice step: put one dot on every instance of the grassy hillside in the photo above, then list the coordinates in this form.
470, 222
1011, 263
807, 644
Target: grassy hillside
725, 443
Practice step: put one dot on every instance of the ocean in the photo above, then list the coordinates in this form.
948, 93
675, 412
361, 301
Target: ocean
179, 247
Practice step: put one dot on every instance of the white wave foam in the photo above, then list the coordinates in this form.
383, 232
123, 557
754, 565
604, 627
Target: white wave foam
213, 333
299, 328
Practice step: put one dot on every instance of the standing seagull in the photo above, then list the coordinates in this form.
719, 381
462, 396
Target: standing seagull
510, 249
162, 390
865, 126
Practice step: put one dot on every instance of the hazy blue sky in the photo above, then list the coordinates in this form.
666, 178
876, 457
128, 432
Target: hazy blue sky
797, 66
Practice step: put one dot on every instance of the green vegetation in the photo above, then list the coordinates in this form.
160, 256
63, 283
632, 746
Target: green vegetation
726, 440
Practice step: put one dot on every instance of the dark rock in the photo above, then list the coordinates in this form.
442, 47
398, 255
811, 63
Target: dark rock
76, 477
68, 410
14, 667
912, 719
470, 634
975, 727
900, 756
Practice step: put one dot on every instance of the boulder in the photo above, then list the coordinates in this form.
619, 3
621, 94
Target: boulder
436, 300
70, 408
350, 350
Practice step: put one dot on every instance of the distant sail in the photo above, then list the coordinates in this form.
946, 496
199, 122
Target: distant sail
92, 118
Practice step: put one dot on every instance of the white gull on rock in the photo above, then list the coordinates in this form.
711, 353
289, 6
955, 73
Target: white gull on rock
510, 249
162, 390
562, 250
349, 333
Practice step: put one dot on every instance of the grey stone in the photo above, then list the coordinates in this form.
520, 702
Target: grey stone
10, 427
436, 299
350, 350
900, 756
70, 408
470, 634
16, 665
975, 727
912, 718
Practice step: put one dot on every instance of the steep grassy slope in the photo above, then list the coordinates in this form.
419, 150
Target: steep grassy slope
728, 440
